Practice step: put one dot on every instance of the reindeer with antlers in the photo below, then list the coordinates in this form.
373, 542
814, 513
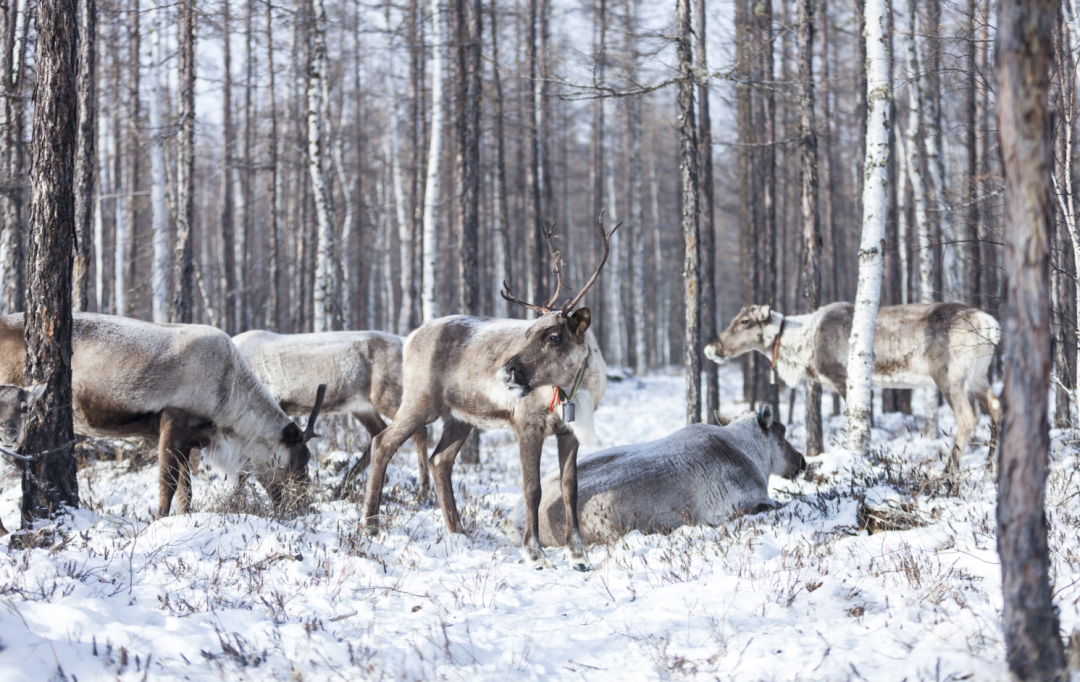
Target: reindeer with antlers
495, 373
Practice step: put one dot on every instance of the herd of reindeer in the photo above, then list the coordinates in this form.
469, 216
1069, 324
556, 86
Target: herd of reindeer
193, 387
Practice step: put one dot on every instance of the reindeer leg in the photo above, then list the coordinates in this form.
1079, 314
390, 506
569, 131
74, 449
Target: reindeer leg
966, 418
374, 425
575, 546
419, 439
169, 467
453, 437
383, 447
530, 445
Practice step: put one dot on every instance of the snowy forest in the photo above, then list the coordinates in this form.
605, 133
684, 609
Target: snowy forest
853, 222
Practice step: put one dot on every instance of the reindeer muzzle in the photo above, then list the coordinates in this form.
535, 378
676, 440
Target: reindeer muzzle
715, 352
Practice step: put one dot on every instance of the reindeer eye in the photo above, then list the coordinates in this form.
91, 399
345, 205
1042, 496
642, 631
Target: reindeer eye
22, 407
555, 339
745, 322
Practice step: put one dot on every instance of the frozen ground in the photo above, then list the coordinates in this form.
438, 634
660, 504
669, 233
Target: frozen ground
794, 594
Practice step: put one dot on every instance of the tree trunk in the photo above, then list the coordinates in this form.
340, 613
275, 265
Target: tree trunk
637, 214
13, 254
228, 234
535, 252
709, 303
184, 268
467, 113
503, 255
744, 114
689, 176
159, 265
276, 260
134, 170
1024, 51
48, 481
861, 343
85, 160
317, 88
431, 187
811, 229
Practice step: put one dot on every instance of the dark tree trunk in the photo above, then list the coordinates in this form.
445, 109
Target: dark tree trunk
500, 163
744, 113
184, 287
689, 176
85, 157
707, 228
1024, 52
811, 229
49, 482
763, 206
133, 170
536, 254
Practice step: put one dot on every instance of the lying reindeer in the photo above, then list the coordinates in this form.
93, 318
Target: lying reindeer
186, 386
698, 475
490, 373
947, 345
364, 379
15, 402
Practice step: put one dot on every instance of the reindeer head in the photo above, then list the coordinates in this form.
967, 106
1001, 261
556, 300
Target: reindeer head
784, 459
295, 443
15, 402
553, 349
750, 330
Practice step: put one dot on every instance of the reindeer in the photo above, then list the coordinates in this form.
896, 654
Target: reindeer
923, 345
699, 474
492, 373
364, 380
185, 386
15, 402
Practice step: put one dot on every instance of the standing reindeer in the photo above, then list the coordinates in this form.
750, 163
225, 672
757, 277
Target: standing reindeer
363, 371
491, 373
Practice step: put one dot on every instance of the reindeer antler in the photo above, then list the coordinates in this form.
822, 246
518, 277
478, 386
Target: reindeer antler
606, 236
556, 265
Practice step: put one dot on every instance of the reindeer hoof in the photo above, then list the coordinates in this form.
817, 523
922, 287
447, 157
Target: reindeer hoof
538, 562
582, 566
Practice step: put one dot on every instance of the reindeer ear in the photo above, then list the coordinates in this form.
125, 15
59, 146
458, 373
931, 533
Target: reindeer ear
35, 393
765, 416
721, 419
764, 313
292, 435
579, 322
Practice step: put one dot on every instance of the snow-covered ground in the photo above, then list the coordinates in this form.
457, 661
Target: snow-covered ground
797, 593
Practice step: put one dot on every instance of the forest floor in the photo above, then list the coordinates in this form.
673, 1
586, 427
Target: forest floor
799, 593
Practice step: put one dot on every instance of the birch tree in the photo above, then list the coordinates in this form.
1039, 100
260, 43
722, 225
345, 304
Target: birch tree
429, 306
317, 86
158, 282
228, 208
183, 285
85, 161
689, 170
861, 343
637, 189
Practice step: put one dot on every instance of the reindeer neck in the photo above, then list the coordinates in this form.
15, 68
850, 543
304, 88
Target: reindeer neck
794, 348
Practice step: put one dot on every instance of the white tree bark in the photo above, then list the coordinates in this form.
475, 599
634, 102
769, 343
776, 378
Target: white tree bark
922, 191
346, 191
637, 219
663, 282
120, 246
861, 343
616, 331
431, 189
158, 269
99, 221
316, 87
394, 152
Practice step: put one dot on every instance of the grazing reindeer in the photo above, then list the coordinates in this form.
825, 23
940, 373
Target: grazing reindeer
363, 371
947, 345
489, 373
15, 402
186, 386
699, 474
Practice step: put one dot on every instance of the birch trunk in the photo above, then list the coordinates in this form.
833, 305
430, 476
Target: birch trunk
120, 241
1033, 644
400, 203
85, 161
431, 188
811, 228
228, 209
689, 168
158, 284
104, 189
317, 76
660, 276
503, 259
637, 214
616, 335
275, 181
134, 167
861, 343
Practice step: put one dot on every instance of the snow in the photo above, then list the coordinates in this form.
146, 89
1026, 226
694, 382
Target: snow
795, 593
